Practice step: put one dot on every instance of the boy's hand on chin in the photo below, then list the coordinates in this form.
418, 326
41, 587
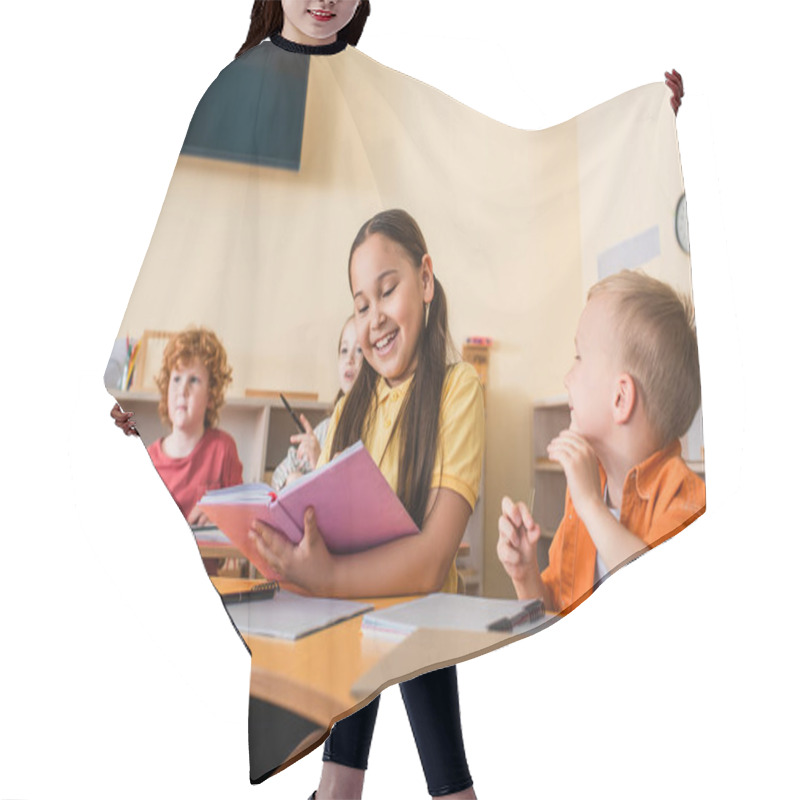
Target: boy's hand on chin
579, 462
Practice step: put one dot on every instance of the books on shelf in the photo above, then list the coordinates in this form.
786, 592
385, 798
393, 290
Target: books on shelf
355, 508
209, 534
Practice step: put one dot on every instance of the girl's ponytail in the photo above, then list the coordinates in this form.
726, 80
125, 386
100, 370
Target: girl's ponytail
419, 421
266, 19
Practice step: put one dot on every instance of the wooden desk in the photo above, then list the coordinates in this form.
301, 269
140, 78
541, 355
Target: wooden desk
313, 675
328, 674
333, 672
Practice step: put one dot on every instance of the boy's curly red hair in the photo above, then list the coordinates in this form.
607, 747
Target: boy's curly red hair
183, 348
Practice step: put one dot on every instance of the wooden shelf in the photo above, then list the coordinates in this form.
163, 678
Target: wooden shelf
261, 427
546, 465
556, 401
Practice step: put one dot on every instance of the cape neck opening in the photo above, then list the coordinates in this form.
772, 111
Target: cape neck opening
308, 49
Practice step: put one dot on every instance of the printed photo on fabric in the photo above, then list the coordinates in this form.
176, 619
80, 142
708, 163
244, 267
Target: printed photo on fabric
417, 380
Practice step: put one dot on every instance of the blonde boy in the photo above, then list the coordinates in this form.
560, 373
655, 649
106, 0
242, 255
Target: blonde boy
633, 389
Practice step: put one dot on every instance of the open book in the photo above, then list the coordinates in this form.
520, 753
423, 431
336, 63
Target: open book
355, 507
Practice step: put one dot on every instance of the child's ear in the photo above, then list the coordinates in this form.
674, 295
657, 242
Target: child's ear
624, 398
427, 278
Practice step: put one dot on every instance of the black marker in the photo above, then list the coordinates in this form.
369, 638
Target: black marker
262, 591
294, 416
529, 613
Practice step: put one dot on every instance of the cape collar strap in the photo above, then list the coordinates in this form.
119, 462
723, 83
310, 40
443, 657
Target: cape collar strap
312, 50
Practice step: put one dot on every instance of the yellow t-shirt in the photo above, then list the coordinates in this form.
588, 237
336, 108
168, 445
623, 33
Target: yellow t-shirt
459, 457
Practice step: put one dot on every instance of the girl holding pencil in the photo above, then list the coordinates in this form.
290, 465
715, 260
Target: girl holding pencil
420, 414
306, 447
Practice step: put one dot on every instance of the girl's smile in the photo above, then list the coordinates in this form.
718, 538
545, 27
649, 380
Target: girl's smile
316, 22
322, 16
384, 344
390, 293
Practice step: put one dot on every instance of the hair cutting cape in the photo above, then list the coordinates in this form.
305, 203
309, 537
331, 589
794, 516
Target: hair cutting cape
288, 153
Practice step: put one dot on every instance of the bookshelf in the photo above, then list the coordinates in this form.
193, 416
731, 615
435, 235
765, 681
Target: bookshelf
469, 561
549, 417
261, 427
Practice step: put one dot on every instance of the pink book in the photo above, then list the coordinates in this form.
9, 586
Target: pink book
355, 507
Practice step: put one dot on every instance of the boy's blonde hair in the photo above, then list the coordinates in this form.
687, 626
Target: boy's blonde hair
183, 348
657, 336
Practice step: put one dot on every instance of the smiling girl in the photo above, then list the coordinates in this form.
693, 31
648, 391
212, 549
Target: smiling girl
420, 415
311, 23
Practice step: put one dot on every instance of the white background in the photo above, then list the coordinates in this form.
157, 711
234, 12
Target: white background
678, 678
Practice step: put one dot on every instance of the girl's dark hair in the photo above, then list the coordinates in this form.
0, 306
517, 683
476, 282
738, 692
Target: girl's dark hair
417, 423
266, 19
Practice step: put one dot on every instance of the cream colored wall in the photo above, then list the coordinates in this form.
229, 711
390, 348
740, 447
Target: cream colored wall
631, 180
259, 254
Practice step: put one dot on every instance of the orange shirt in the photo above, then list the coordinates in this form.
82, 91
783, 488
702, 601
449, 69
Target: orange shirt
660, 497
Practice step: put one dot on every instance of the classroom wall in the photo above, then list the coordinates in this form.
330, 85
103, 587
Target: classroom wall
630, 185
260, 254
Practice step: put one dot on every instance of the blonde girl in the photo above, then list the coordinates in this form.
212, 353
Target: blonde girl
303, 455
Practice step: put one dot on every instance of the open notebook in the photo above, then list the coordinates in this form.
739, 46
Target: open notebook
454, 612
291, 616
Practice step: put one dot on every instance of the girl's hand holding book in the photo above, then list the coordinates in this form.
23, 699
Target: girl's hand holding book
308, 564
